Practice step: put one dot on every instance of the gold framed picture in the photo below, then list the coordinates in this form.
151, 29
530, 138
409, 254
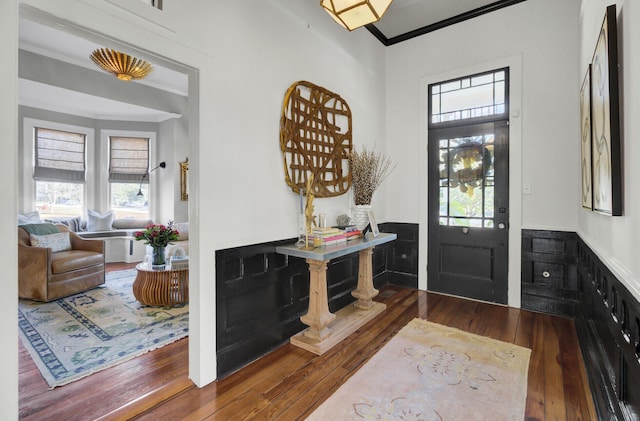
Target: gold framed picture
184, 180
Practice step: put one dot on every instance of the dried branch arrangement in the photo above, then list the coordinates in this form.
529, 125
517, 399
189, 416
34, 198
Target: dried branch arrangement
368, 171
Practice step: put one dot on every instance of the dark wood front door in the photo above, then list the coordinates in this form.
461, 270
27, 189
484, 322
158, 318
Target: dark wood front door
468, 211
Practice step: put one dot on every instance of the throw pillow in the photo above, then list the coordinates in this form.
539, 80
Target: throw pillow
130, 223
72, 223
183, 229
29, 218
97, 221
56, 242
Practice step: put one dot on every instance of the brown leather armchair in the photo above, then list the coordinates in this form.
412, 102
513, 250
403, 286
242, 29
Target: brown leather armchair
45, 276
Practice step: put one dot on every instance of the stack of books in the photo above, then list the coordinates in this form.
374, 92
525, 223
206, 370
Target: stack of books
351, 231
333, 235
328, 235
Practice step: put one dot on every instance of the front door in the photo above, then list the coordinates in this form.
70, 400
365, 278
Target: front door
468, 192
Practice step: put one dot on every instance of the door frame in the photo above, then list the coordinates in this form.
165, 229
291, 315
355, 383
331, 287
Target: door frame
514, 63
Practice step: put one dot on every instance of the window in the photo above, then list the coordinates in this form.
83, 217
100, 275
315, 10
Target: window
59, 172
471, 97
128, 176
463, 114
467, 180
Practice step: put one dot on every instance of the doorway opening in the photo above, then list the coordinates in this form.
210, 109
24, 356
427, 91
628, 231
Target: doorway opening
84, 101
468, 186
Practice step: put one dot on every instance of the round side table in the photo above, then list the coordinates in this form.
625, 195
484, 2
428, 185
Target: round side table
161, 287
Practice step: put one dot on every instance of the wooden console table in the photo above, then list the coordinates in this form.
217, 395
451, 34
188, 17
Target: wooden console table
327, 329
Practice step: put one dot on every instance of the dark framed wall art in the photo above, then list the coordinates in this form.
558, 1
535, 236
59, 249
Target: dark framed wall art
605, 120
585, 140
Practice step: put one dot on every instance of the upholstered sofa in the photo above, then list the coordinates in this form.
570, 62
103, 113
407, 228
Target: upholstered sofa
45, 274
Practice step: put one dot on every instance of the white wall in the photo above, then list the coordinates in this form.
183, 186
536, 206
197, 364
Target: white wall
9, 171
615, 239
539, 38
174, 148
246, 55
260, 49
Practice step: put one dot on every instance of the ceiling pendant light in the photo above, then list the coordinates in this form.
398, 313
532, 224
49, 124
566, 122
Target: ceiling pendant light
353, 14
120, 64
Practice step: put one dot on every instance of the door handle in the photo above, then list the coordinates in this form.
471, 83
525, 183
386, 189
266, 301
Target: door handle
465, 230
502, 225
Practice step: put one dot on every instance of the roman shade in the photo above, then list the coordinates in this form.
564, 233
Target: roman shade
128, 159
59, 156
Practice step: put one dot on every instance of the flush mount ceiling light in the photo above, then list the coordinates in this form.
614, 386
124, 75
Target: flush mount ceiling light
120, 64
353, 14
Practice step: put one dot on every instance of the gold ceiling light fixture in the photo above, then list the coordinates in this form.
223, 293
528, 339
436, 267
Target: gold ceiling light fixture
120, 64
353, 14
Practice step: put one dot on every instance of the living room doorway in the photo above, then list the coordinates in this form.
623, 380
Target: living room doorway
75, 83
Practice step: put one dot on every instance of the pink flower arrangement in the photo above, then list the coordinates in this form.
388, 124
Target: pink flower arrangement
157, 235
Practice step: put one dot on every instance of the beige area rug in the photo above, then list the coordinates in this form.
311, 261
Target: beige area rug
434, 372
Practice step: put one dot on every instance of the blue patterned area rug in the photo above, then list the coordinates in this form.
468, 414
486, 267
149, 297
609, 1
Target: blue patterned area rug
73, 337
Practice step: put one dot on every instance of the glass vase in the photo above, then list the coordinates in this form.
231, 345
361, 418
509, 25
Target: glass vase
158, 258
302, 229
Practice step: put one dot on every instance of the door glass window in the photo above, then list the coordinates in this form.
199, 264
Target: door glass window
470, 97
467, 181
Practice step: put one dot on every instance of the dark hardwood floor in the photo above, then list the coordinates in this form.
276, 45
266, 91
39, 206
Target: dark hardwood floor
289, 383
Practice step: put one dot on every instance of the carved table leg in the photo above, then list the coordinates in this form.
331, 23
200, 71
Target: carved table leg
365, 291
318, 317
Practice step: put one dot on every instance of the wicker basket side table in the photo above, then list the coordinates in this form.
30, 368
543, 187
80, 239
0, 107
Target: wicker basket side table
161, 287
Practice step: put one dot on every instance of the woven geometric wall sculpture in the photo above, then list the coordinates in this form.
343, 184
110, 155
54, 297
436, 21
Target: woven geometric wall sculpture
315, 138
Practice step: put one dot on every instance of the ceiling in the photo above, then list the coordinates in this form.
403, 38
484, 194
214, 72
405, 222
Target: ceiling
406, 19
403, 20
58, 42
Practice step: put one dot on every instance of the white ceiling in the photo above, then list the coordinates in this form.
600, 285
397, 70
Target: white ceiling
404, 16
56, 41
65, 46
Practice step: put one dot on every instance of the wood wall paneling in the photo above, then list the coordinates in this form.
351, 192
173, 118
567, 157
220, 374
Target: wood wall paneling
608, 325
549, 276
402, 255
262, 294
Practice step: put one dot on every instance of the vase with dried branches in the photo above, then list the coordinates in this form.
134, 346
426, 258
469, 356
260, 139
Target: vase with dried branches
368, 170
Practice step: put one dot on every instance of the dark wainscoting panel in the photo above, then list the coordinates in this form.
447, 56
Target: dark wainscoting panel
402, 255
549, 282
608, 325
262, 294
